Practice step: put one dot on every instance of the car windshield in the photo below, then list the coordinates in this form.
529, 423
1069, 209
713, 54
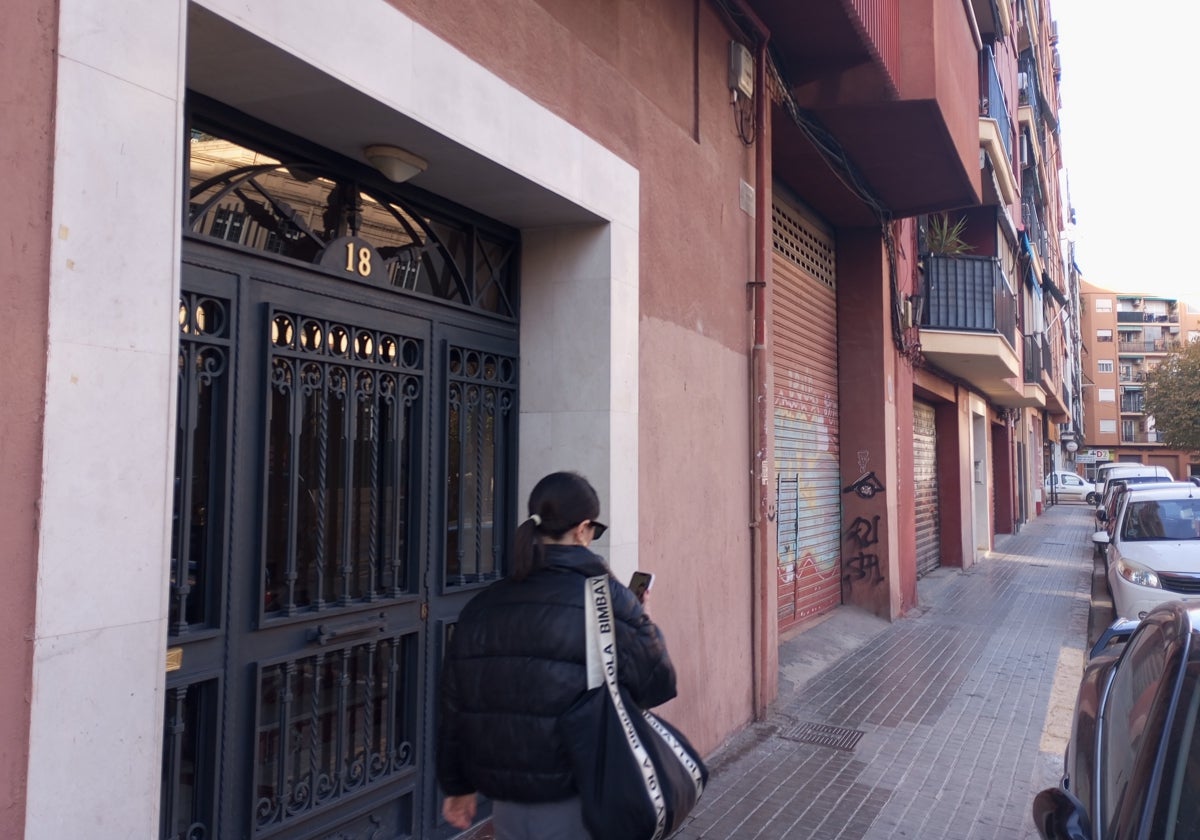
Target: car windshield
1161, 519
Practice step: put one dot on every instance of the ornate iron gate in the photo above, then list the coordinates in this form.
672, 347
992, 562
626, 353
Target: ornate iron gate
344, 479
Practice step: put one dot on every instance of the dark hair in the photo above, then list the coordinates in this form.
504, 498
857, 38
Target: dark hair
561, 501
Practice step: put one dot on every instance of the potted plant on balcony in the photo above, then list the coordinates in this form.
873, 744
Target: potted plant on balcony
944, 236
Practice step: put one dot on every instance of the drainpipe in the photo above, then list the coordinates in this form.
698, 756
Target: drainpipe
762, 503
763, 392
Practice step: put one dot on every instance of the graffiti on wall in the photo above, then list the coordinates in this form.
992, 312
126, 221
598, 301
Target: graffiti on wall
866, 486
808, 508
862, 563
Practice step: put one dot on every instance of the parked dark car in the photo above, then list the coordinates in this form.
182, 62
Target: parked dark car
1132, 767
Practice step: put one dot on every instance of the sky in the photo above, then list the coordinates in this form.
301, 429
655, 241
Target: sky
1130, 127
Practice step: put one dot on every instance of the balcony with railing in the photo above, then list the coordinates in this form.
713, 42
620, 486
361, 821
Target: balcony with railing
1138, 317
1039, 237
1133, 403
969, 324
992, 103
1029, 102
1033, 360
995, 135
1162, 345
1141, 437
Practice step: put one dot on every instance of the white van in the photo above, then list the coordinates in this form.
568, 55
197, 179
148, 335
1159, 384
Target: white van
1107, 472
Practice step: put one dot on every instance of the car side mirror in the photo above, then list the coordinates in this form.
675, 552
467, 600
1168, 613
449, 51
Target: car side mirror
1060, 816
1100, 537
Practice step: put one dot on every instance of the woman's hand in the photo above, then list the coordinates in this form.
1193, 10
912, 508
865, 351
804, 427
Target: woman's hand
459, 811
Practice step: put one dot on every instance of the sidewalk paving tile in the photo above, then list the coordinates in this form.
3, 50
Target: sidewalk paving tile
949, 705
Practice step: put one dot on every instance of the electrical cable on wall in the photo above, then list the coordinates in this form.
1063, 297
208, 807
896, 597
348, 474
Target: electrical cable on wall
826, 144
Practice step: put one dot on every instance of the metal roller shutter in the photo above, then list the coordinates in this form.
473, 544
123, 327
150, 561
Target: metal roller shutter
808, 477
1168, 461
925, 488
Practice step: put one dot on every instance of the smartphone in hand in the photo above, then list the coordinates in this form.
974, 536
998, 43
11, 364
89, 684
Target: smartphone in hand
640, 584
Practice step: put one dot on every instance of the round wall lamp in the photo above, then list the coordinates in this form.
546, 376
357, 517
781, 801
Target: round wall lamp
395, 163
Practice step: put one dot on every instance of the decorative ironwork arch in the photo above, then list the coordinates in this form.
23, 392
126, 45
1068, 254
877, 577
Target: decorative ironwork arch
301, 209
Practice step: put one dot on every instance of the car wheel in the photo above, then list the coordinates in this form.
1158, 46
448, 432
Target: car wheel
1091, 499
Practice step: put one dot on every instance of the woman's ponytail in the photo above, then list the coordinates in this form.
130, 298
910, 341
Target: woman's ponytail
557, 503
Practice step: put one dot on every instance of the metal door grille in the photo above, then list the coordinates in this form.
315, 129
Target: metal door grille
343, 402
205, 341
332, 724
481, 399
189, 732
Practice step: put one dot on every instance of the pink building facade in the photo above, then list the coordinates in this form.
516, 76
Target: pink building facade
273, 415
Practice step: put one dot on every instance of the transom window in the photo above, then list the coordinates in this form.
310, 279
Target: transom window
283, 204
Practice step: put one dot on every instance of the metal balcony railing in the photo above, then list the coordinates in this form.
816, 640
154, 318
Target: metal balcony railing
1034, 229
969, 293
1028, 95
1033, 359
1147, 318
1130, 405
991, 100
1141, 437
1162, 345
1039, 360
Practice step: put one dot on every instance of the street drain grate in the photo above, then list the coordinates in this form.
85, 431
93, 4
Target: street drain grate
824, 735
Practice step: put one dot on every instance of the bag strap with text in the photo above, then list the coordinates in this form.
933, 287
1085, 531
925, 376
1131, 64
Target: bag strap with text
602, 664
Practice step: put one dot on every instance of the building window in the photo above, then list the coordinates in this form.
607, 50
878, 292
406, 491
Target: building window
1104, 366
1103, 335
1104, 304
1107, 394
1108, 427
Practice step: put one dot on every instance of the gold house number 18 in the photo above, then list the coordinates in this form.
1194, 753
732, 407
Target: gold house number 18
358, 259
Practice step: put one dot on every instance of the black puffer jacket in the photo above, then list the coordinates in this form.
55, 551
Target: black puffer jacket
516, 662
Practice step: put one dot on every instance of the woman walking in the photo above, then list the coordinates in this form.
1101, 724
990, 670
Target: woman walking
517, 661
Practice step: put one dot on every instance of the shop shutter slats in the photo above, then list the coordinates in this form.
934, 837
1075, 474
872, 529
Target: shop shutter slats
806, 420
925, 488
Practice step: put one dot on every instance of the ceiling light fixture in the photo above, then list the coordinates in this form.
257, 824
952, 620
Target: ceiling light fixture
395, 163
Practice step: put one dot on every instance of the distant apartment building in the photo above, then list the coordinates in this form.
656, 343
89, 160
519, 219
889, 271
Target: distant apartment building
1125, 337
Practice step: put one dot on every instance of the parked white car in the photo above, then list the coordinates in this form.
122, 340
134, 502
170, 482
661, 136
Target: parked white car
1112, 471
1153, 548
1069, 487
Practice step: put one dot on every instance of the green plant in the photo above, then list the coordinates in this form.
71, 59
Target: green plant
945, 237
